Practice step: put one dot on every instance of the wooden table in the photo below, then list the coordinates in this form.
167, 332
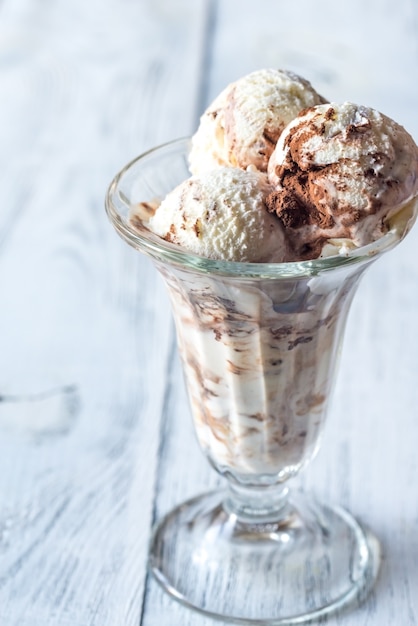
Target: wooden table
96, 439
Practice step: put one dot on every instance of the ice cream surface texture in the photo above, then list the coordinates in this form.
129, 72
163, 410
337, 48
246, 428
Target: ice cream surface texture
242, 125
222, 215
341, 171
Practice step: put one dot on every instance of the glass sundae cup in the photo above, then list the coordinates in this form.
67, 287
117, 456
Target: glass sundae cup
259, 345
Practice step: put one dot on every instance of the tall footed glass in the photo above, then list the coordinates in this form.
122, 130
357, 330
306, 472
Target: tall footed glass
259, 345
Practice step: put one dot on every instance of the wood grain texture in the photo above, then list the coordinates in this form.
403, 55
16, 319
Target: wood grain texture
86, 331
96, 439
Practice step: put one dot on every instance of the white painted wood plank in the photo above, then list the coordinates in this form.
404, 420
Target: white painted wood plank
86, 331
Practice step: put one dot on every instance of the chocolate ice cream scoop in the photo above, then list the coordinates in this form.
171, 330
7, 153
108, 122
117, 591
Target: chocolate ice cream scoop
341, 172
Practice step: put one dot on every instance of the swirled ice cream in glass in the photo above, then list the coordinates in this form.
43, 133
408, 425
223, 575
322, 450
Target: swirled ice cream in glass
261, 260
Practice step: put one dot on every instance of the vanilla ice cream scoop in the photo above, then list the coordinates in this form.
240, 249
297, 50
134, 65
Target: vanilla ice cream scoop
221, 215
341, 172
242, 125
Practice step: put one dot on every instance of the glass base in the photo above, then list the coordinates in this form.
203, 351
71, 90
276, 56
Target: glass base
313, 561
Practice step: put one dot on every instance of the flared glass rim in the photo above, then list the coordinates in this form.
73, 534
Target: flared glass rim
167, 252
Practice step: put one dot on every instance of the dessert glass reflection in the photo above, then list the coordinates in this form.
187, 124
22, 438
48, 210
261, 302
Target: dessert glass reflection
259, 345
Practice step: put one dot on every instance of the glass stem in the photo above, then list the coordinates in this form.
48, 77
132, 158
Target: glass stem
257, 505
